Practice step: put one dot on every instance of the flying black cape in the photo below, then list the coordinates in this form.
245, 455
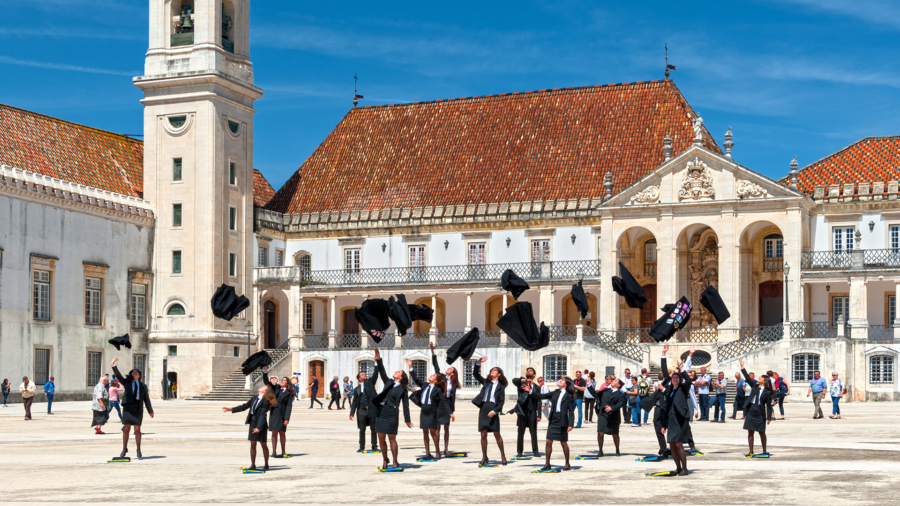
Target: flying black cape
226, 304
519, 325
465, 347
675, 316
713, 303
628, 287
512, 283
120, 341
580, 300
255, 361
373, 316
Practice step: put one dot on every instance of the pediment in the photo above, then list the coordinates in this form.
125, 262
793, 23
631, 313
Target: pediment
698, 175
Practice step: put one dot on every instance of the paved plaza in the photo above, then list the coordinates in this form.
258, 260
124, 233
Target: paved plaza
193, 453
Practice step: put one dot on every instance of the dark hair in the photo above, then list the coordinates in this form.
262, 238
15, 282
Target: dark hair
533, 372
270, 396
441, 382
767, 385
501, 379
404, 379
130, 377
660, 376
357, 375
591, 375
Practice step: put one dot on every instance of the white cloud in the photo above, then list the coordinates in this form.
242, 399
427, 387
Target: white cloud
59, 66
882, 12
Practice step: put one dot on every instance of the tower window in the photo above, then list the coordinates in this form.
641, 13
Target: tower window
233, 126
232, 264
232, 176
177, 121
176, 262
232, 218
176, 169
176, 215
175, 310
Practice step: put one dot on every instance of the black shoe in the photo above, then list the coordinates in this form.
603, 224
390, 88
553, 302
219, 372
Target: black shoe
536, 454
122, 456
618, 454
519, 456
360, 450
139, 454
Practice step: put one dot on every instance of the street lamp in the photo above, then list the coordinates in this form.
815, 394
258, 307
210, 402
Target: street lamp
580, 275
249, 327
787, 294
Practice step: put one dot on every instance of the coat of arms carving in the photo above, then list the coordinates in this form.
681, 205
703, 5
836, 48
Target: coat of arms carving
649, 195
697, 183
748, 189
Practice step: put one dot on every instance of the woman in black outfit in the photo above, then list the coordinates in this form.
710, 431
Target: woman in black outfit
448, 404
137, 395
610, 402
388, 405
757, 408
280, 414
490, 404
428, 398
561, 419
335, 388
258, 405
677, 418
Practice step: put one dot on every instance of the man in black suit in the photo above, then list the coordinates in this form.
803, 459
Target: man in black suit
528, 413
363, 407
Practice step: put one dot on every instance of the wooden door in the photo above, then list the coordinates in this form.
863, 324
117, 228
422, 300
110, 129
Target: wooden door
349, 325
317, 370
649, 313
271, 326
771, 300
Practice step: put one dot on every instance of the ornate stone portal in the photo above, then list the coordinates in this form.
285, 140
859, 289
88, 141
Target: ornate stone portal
704, 268
747, 189
649, 195
697, 183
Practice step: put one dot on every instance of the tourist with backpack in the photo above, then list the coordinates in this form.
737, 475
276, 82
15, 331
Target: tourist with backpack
782, 390
641, 389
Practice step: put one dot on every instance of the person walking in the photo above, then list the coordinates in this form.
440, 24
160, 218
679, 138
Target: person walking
721, 388
100, 405
348, 392
49, 390
738, 396
114, 391
27, 389
589, 400
837, 389
335, 388
5, 389
817, 388
580, 386
782, 390
313, 391
702, 386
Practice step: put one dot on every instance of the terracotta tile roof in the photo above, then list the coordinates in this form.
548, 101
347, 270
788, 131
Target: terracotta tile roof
870, 160
71, 152
547, 144
262, 190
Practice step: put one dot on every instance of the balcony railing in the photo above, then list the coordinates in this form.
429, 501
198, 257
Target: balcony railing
348, 340
773, 264
315, 342
416, 340
817, 330
560, 333
881, 333
851, 259
697, 335
649, 268
634, 336
439, 274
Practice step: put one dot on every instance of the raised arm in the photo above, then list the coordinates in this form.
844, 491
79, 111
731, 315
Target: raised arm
412, 374
434, 360
476, 373
242, 407
116, 372
746, 376
379, 366
266, 378
664, 365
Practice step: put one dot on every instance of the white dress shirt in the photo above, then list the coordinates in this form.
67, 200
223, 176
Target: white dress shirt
489, 394
562, 395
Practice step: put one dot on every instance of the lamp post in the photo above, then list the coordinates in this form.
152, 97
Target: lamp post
787, 294
580, 275
249, 327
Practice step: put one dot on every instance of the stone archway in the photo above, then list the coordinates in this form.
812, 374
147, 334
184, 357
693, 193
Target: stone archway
703, 271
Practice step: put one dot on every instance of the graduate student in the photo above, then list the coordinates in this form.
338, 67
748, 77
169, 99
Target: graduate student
388, 404
528, 412
428, 398
447, 407
657, 401
676, 420
561, 419
757, 408
258, 405
490, 405
280, 414
610, 402
137, 395
363, 407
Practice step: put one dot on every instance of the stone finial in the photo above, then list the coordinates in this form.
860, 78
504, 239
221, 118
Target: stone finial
667, 147
728, 143
795, 174
608, 184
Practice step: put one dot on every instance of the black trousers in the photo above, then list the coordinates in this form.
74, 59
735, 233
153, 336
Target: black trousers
313, 400
367, 421
336, 400
523, 424
657, 427
589, 409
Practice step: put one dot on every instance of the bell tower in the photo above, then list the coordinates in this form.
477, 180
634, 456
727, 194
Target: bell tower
198, 174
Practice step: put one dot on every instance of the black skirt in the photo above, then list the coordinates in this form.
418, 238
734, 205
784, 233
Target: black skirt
132, 413
276, 419
679, 429
262, 436
608, 424
428, 418
388, 421
443, 412
486, 423
100, 418
556, 431
756, 419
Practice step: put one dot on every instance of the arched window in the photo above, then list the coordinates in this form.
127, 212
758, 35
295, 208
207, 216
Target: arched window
367, 366
175, 310
804, 365
304, 261
420, 367
468, 377
881, 369
555, 367
650, 258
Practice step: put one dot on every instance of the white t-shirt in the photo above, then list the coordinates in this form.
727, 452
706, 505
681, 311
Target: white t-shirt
837, 388
703, 390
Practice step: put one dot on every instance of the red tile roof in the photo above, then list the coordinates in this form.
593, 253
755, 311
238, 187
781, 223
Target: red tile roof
71, 152
262, 190
547, 144
870, 160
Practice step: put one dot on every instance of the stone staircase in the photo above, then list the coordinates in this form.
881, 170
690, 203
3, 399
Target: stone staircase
232, 387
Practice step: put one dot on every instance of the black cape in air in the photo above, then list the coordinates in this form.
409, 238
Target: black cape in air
226, 304
519, 325
713, 303
512, 283
373, 316
628, 287
465, 347
255, 361
120, 341
421, 313
398, 310
580, 300
675, 316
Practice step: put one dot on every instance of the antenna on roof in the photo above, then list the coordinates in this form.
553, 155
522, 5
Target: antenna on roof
667, 62
356, 96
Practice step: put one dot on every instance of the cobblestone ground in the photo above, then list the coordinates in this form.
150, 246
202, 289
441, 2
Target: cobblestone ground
193, 453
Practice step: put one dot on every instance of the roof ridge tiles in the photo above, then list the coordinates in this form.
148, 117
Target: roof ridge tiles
72, 123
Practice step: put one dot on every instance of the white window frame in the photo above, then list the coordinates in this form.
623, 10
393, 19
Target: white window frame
881, 369
537, 249
279, 258
650, 250
844, 309
773, 248
352, 259
93, 301
842, 238
894, 236
138, 305
553, 371
41, 295
262, 256
416, 258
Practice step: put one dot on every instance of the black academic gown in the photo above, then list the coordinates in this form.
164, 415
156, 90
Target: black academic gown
388, 404
561, 419
428, 407
281, 411
256, 418
608, 422
485, 422
447, 407
756, 406
134, 401
677, 418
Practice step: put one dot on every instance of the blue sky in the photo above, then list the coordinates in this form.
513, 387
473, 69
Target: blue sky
791, 77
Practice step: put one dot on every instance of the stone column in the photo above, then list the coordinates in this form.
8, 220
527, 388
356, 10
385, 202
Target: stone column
607, 302
295, 313
729, 275
859, 319
579, 333
434, 320
793, 256
256, 309
546, 313
666, 261
896, 322
332, 333
504, 339
469, 311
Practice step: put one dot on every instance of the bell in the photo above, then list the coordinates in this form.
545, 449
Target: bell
186, 18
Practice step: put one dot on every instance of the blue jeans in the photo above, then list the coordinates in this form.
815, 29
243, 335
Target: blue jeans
49, 403
636, 412
835, 408
578, 404
4, 398
115, 404
704, 406
720, 407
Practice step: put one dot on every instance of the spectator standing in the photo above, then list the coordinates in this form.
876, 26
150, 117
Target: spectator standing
348, 392
27, 389
628, 384
49, 390
702, 385
817, 388
589, 399
114, 390
580, 387
100, 405
837, 388
721, 386
782, 390
5, 388
641, 389
335, 388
